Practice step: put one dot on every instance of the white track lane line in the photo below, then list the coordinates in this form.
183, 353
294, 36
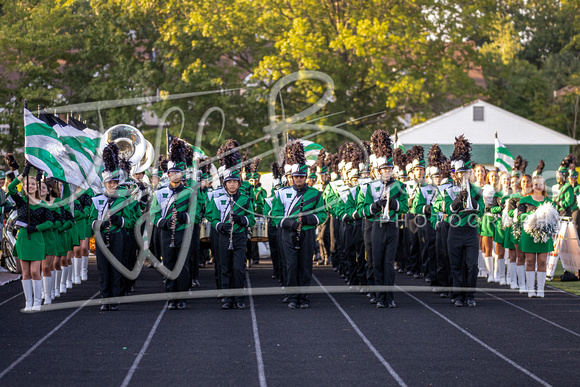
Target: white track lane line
478, 341
144, 348
259, 359
39, 342
11, 298
363, 337
533, 314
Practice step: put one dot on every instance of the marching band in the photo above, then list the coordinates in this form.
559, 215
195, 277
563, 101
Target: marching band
369, 210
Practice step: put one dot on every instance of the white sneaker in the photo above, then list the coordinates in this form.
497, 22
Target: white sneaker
62, 289
77, 280
84, 275
69, 284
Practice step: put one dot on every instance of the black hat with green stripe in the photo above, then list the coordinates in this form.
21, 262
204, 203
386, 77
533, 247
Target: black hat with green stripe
382, 149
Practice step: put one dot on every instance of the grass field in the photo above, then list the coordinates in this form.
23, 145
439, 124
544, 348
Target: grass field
570, 287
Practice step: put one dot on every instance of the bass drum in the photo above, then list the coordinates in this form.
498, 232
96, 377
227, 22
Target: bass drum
204, 230
260, 230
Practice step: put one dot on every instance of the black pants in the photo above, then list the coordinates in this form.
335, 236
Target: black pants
359, 274
216, 259
370, 274
273, 242
336, 245
402, 249
412, 244
282, 258
298, 262
443, 263
427, 247
170, 257
463, 247
385, 238
130, 257
348, 263
194, 254
232, 263
110, 280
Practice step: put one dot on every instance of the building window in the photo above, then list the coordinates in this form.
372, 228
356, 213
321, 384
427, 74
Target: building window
478, 113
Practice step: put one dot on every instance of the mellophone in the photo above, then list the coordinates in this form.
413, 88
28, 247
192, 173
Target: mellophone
259, 232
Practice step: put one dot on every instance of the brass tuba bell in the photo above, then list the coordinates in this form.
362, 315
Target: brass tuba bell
131, 143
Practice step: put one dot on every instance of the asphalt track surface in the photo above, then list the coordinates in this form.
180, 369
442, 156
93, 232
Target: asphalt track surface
342, 340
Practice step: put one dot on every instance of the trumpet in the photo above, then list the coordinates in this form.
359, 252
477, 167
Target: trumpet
231, 245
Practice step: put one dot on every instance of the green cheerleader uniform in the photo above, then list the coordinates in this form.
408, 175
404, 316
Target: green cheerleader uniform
510, 241
51, 235
32, 249
499, 203
65, 243
487, 224
526, 207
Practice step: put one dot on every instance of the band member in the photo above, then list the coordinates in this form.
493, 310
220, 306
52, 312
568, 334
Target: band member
277, 272
33, 219
297, 211
325, 229
172, 213
422, 208
110, 213
440, 222
230, 215
259, 195
416, 172
367, 224
384, 200
478, 180
400, 173
463, 204
565, 201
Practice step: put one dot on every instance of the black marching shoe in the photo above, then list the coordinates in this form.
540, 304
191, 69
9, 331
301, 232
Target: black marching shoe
181, 305
391, 304
227, 305
172, 305
304, 305
114, 308
104, 308
373, 300
292, 305
240, 305
381, 305
459, 304
471, 303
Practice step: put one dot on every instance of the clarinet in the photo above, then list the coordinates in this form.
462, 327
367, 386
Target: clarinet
231, 245
108, 230
173, 223
297, 242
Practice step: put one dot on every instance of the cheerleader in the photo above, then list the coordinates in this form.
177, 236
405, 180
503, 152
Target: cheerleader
499, 204
48, 270
30, 246
487, 229
536, 253
479, 174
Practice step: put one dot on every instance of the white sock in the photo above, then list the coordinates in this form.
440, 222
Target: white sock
28, 294
46, 283
500, 271
489, 268
37, 292
541, 276
52, 280
57, 279
521, 270
531, 281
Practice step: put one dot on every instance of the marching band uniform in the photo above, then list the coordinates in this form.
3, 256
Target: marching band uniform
272, 230
385, 233
230, 214
440, 223
463, 243
297, 211
412, 243
171, 212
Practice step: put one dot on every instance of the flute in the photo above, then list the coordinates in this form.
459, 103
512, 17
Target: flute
231, 246
299, 229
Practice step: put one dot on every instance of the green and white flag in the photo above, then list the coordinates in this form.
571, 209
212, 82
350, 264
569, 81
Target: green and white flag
44, 149
503, 158
311, 151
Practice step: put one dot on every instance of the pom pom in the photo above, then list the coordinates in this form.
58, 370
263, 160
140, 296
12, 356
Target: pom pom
177, 151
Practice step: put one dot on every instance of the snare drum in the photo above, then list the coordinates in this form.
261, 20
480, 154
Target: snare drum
204, 230
260, 230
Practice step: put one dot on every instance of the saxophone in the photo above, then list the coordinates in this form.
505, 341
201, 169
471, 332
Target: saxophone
297, 241
173, 225
108, 230
231, 245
